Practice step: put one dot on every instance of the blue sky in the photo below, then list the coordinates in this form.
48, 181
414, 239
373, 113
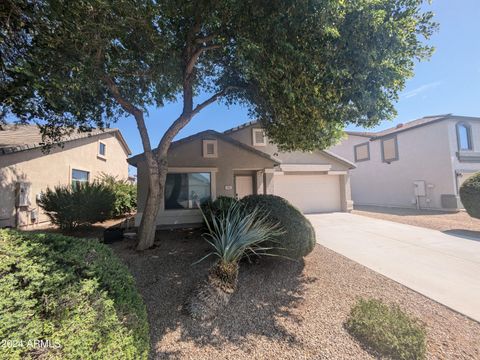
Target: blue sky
448, 83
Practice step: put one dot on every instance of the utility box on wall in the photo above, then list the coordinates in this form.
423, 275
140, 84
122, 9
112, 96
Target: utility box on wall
23, 194
419, 188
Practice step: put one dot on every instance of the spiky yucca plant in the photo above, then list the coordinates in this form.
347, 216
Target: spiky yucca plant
233, 235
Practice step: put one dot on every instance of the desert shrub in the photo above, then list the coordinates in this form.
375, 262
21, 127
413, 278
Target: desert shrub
470, 195
232, 235
125, 194
72, 206
298, 240
387, 330
72, 292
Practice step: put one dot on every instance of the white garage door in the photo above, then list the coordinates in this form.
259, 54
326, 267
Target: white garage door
310, 193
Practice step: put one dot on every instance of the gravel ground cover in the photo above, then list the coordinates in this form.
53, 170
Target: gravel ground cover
459, 222
281, 310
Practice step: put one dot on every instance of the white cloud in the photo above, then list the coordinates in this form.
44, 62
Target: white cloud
420, 89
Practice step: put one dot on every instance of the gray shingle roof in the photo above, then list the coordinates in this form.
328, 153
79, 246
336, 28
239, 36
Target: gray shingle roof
14, 138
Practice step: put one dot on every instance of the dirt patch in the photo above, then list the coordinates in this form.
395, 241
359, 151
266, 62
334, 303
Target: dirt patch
282, 309
95, 231
455, 223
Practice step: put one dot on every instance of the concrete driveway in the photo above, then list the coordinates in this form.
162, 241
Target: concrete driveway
446, 268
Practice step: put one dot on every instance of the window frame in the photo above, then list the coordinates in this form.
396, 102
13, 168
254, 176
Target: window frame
73, 181
394, 138
355, 151
205, 153
254, 138
468, 128
99, 154
212, 196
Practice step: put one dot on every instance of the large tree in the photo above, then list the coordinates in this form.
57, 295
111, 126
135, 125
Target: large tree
305, 68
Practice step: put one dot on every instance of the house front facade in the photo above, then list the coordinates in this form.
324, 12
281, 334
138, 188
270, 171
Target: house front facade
240, 162
26, 171
419, 164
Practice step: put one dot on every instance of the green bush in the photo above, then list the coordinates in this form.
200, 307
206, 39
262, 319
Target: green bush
72, 292
72, 206
219, 207
298, 240
125, 194
387, 330
470, 195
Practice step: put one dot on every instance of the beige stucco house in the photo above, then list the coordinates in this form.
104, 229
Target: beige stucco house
420, 164
239, 162
25, 171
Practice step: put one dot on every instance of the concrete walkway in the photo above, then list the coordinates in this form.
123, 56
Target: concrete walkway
443, 267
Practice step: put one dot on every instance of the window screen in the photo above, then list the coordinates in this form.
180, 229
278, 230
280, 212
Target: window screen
389, 148
464, 138
187, 190
102, 149
79, 177
362, 152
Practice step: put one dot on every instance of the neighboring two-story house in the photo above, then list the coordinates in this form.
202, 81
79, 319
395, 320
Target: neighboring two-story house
26, 171
419, 164
239, 162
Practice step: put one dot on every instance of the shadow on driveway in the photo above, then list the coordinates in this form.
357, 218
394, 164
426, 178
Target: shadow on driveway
464, 234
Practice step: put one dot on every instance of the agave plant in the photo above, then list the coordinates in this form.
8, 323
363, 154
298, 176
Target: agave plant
233, 235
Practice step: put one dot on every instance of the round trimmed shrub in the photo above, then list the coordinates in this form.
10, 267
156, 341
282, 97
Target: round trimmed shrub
298, 239
470, 195
73, 295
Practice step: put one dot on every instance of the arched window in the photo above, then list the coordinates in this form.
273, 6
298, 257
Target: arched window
464, 136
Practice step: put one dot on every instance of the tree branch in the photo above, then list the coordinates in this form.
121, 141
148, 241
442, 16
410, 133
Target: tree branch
126, 105
212, 99
133, 110
184, 119
204, 39
193, 59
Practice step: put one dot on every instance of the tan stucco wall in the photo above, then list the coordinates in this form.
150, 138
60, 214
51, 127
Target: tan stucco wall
244, 135
49, 170
188, 157
425, 153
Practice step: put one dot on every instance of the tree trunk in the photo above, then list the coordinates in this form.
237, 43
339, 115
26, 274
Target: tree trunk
214, 293
157, 173
148, 224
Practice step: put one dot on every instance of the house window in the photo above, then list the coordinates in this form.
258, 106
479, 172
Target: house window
79, 177
464, 137
187, 190
102, 149
362, 152
258, 137
210, 148
389, 149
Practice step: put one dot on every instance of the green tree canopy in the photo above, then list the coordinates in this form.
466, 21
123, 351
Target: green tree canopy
305, 69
